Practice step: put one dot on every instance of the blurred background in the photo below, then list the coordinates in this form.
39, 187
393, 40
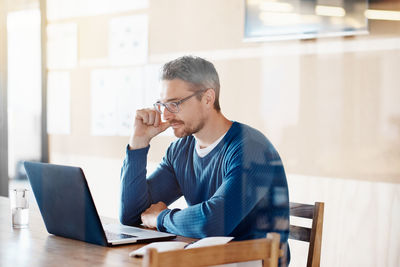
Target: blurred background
321, 79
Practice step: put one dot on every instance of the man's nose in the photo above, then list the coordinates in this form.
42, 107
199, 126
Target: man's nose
167, 115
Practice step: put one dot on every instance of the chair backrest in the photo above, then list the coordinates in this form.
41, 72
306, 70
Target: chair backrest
312, 235
265, 249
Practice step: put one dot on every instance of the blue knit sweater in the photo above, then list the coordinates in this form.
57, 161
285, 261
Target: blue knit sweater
239, 189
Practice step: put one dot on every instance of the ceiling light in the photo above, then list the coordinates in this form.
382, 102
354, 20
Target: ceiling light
382, 14
330, 11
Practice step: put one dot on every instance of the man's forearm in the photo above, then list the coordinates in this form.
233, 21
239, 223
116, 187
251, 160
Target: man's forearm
138, 192
134, 188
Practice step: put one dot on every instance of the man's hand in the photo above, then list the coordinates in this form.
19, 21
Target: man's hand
149, 216
147, 125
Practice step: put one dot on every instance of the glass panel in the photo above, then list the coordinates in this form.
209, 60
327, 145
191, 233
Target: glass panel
24, 89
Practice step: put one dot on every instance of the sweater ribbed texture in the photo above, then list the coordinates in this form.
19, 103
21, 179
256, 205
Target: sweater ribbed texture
239, 189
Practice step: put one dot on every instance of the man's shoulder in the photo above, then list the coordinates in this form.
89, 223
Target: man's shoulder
245, 136
246, 133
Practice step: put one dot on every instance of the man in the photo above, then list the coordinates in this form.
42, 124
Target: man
229, 173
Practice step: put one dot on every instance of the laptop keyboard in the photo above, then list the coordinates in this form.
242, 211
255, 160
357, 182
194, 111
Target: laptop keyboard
117, 236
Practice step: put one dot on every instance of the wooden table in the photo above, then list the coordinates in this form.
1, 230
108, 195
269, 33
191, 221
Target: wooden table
35, 247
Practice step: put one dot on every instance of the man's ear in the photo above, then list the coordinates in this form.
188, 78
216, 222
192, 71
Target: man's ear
209, 96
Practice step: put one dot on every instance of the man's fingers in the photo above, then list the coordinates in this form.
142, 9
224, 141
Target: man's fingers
146, 126
148, 117
142, 115
164, 125
151, 118
157, 119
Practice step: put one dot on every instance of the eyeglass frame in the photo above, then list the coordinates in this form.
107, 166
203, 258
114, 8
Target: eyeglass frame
177, 103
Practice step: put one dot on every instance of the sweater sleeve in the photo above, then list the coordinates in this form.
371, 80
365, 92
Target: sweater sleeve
248, 180
137, 193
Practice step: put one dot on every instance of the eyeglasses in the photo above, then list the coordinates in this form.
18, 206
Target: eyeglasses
173, 107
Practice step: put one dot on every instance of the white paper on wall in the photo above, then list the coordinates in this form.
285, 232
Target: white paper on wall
130, 97
152, 84
116, 94
103, 103
113, 6
58, 102
62, 46
128, 40
61, 9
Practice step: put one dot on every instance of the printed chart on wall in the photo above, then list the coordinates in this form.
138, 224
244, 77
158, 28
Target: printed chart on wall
128, 40
116, 94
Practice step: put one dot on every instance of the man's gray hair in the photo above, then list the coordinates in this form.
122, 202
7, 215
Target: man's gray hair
195, 70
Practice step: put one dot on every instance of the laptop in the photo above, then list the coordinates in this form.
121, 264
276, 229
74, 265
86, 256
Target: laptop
68, 210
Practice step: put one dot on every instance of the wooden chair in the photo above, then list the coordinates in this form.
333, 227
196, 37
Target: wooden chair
312, 235
265, 249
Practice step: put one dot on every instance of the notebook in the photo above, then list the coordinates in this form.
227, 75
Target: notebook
68, 209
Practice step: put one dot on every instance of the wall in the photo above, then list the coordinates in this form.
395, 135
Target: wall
322, 102
330, 106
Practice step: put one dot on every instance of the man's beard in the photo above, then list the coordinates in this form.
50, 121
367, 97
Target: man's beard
184, 130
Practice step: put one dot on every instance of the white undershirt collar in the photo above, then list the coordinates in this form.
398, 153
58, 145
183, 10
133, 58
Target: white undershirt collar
202, 152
